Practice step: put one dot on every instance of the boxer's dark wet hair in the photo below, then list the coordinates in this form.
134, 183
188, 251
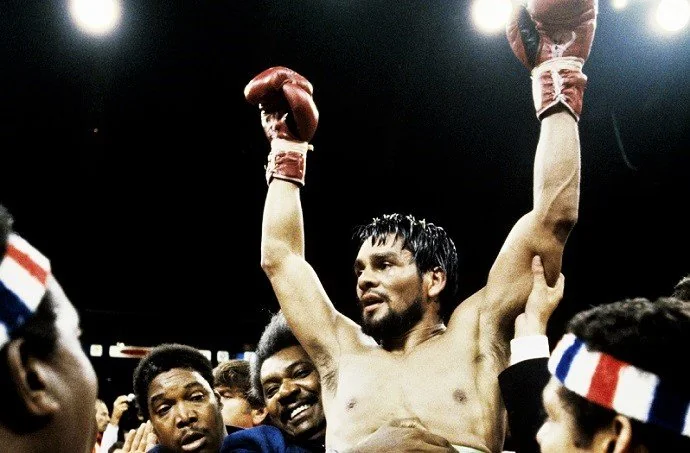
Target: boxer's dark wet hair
682, 289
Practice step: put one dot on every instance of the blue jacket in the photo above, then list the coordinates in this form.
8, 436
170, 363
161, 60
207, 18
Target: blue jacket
260, 439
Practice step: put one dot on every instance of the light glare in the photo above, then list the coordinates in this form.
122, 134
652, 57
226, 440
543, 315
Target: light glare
96, 350
491, 15
96, 16
673, 15
619, 4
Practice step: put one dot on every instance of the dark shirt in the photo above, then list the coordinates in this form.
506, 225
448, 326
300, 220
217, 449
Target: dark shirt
521, 387
260, 439
265, 439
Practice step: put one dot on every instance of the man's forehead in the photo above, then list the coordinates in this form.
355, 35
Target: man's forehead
226, 390
282, 360
390, 243
176, 379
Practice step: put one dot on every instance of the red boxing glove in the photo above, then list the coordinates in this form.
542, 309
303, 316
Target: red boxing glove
289, 118
553, 38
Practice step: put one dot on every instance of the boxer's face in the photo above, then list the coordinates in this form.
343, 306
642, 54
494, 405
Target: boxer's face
389, 288
292, 391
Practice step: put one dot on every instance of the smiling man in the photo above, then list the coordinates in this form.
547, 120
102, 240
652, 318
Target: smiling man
173, 390
296, 406
284, 375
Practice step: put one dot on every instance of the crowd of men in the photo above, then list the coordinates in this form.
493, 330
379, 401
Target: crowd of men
421, 370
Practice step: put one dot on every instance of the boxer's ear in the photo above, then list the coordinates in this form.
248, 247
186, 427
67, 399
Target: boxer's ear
436, 281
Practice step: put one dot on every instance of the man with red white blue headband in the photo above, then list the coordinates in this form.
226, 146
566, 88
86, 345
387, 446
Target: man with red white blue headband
618, 382
48, 387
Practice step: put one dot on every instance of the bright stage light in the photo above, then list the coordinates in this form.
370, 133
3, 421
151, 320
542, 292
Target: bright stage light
222, 356
96, 16
619, 4
672, 15
96, 350
491, 15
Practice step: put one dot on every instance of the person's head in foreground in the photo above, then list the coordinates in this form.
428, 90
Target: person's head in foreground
286, 378
48, 387
173, 389
618, 383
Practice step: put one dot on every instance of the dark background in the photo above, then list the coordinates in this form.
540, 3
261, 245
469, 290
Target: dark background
134, 163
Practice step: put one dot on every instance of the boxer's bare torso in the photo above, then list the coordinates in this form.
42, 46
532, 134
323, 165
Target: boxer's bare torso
447, 382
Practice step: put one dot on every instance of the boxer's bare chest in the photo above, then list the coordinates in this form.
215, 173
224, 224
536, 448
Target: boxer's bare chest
435, 384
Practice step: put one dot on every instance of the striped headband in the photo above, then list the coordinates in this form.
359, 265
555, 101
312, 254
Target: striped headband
620, 386
24, 272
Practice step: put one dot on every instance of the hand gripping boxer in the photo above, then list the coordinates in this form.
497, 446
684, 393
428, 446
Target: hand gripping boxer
552, 38
289, 118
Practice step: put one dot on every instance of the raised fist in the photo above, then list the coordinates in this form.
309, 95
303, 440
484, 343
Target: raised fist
547, 29
289, 118
286, 103
553, 39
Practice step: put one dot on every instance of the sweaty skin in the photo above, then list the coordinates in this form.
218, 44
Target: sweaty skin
444, 377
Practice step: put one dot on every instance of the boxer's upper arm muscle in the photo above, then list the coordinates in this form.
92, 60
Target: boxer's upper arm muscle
318, 326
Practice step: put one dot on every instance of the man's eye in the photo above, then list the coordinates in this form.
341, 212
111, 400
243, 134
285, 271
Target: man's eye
197, 396
162, 409
302, 372
383, 264
270, 391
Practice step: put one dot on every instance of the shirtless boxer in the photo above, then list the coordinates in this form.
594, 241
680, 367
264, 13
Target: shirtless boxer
403, 361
